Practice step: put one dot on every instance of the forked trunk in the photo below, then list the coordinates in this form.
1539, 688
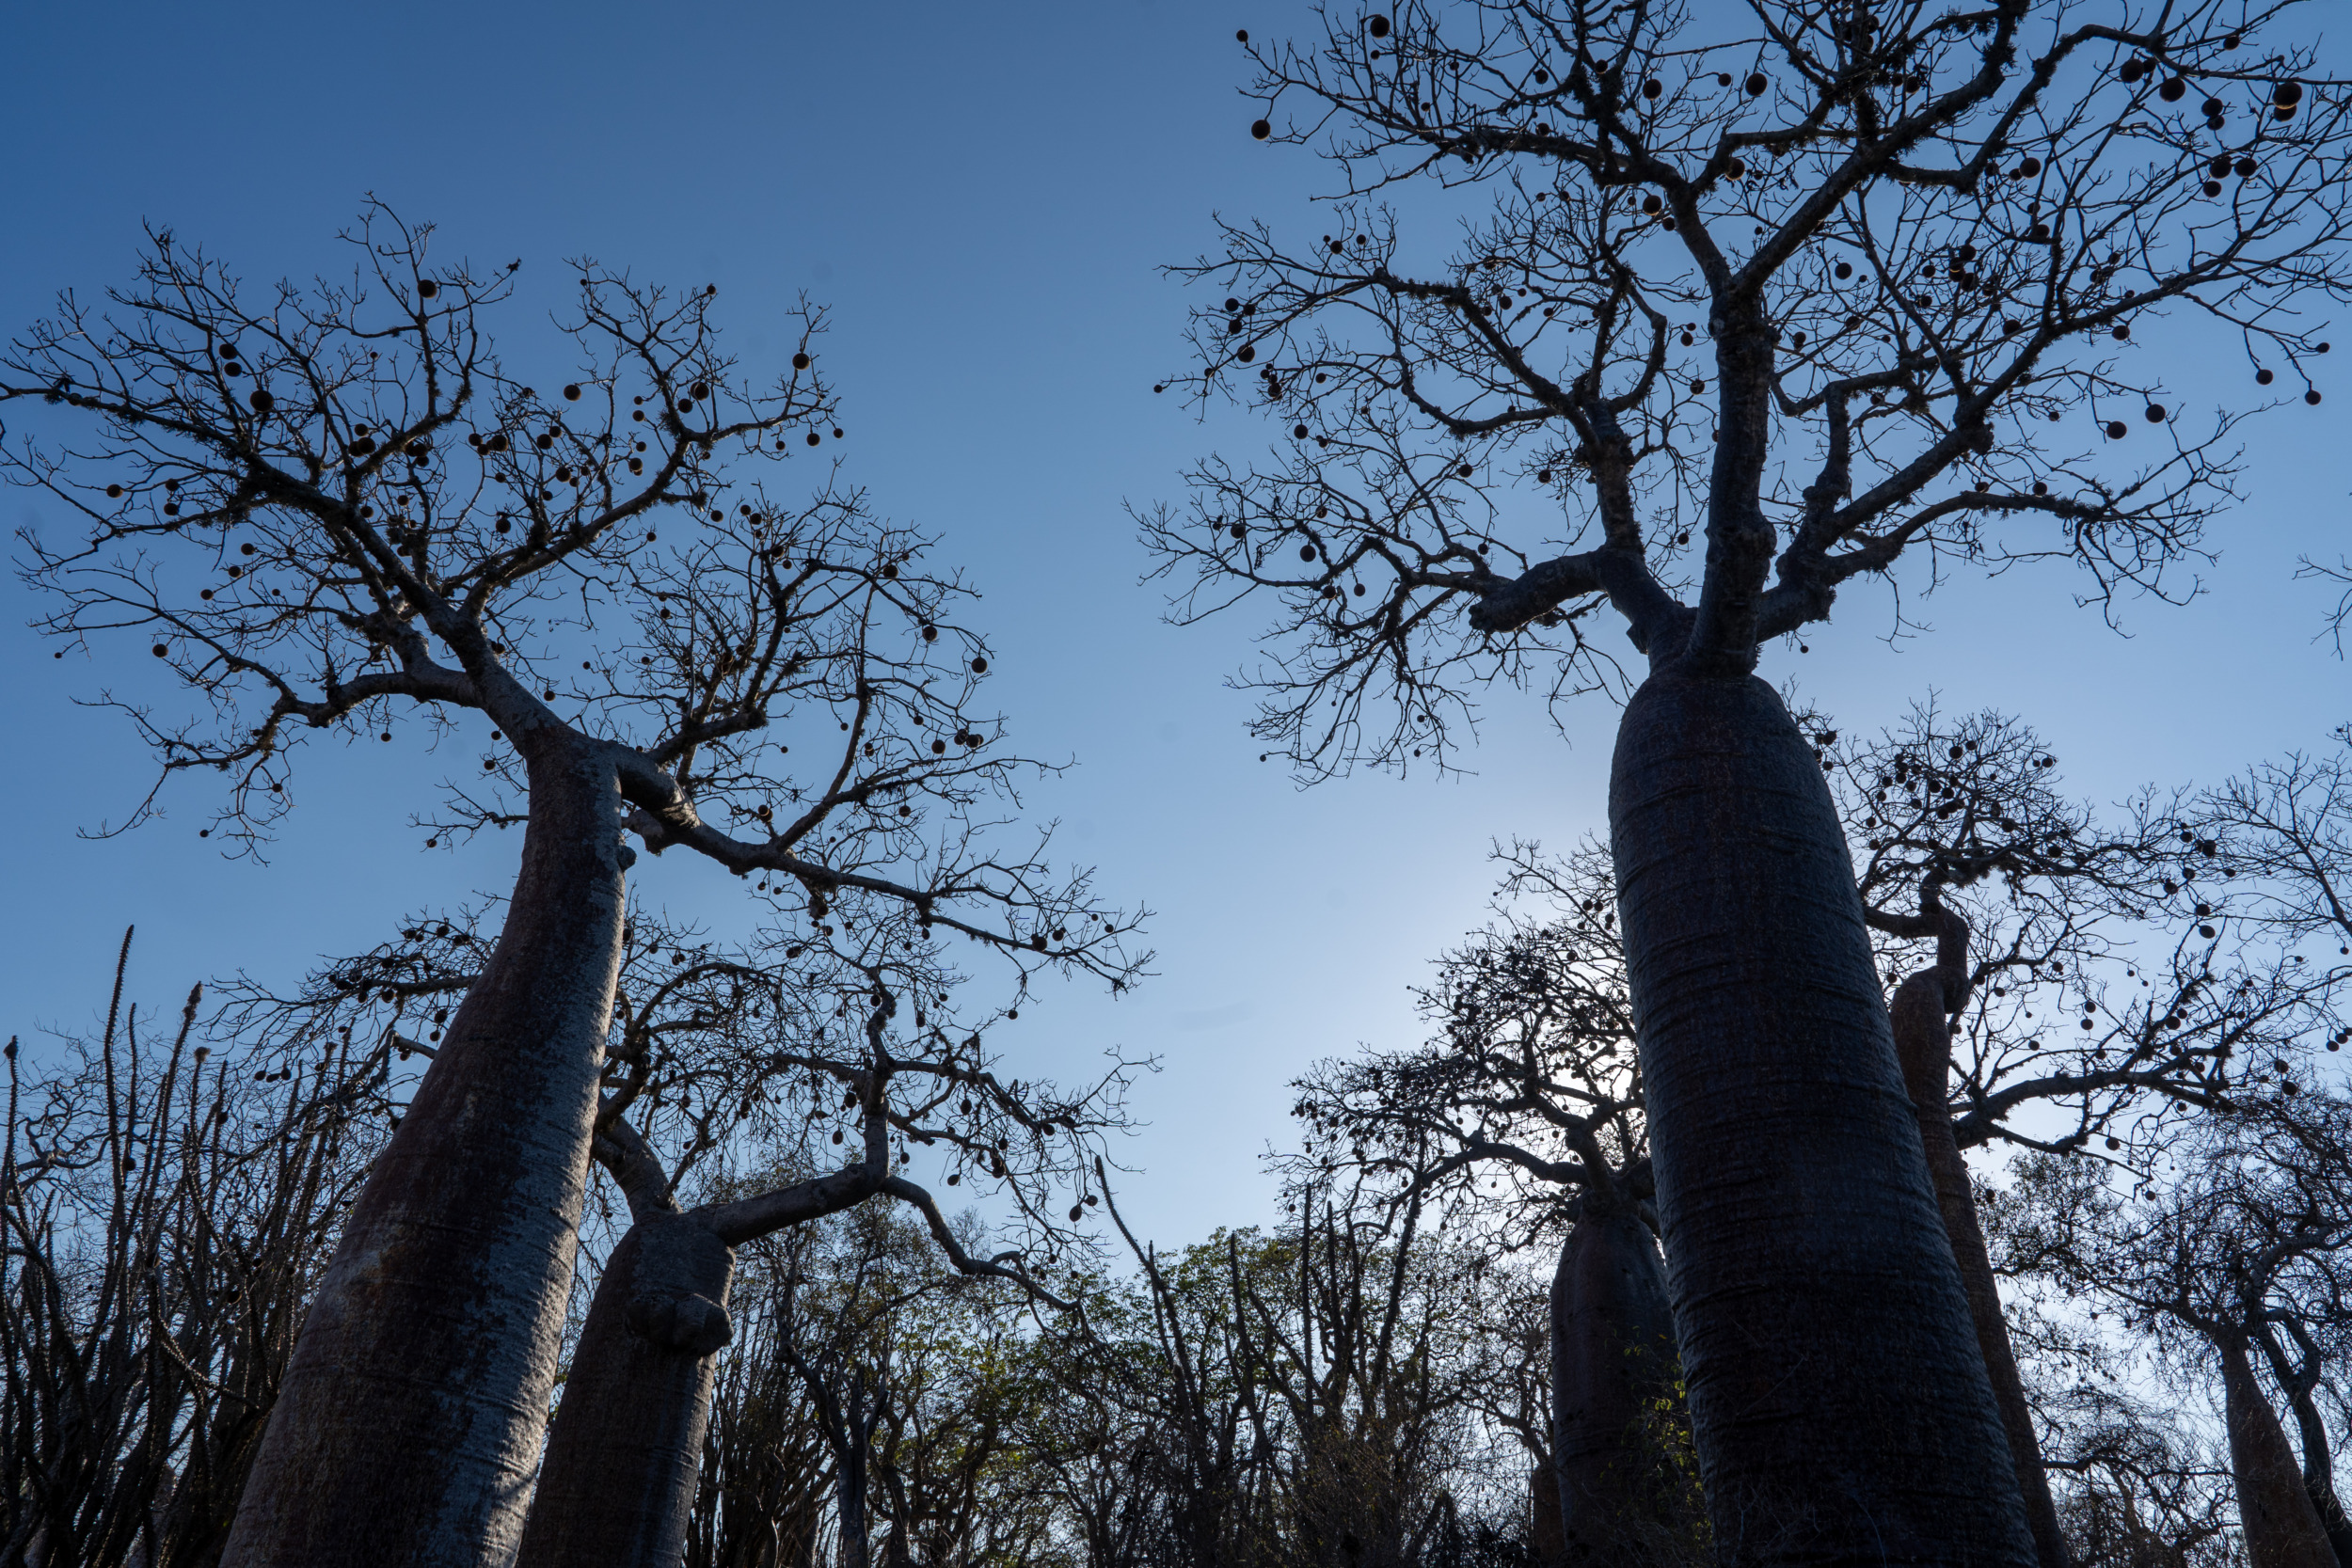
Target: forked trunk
2319, 1480
618, 1484
2281, 1527
409, 1425
1923, 1041
2319, 1465
1838, 1403
1625, 1499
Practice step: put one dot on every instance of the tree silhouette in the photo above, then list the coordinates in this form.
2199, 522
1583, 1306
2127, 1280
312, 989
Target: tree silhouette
333, 505
2028, 908
2244, 1250
1852, 286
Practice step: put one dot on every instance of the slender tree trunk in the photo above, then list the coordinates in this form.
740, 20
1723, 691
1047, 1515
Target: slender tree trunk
2319, 1477
850, 1479
1546, 1538
618, 1484
408, 1427
2280, 1526
1622, 1500
1838, 1401
1923, 1041
2319, 1468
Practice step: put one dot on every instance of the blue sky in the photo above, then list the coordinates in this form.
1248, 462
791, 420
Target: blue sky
981, 195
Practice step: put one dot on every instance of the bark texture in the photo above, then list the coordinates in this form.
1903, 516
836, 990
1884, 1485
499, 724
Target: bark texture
2281, 1527
1838, 1401
2319, 1482
619, 1477
1923, 1040
617, 1486
2299, 1377
408, 1427
1615, 1371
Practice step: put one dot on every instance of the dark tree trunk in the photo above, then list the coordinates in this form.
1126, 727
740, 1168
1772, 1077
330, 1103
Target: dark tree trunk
1838, 1401
1623, 1498
2280, 1526
2319, 1478
408, 1427
851, 1451
625, 1452
618, 1483
2296, 1380
1546, 1538
1923, 1041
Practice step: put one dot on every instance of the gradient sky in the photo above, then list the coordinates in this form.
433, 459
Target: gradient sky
981, 195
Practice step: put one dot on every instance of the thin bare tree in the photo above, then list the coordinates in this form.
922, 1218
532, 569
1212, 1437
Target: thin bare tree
167, 1205
2247, 1241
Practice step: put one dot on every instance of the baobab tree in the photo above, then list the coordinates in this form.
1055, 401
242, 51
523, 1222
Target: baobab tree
331, 505
1531, 1082
1752, 307
725, 1067
2215, 1266
618, 1483
2149, 959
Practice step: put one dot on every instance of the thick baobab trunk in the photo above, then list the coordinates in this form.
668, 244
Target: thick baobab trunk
2281, 1527
625, 1448
1838, 1403
408, 1427
1923, 1041
619, 1478
1623, 1499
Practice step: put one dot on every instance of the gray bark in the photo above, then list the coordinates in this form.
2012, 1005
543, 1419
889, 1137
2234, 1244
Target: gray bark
1614, 1369
1838, 1401
617, 1487
2281, 1527
408, 1427
1923, 1042
1547, 1539
619, 1479
626, 1448
2319, 1467
2319, 1479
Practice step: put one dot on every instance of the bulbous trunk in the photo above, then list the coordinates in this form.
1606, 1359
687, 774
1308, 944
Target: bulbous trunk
409, 1426
1624, 1497
1923, 1042
2281, 1527
1838, 1403
618, 1483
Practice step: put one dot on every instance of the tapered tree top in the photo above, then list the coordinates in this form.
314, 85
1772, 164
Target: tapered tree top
1754, 301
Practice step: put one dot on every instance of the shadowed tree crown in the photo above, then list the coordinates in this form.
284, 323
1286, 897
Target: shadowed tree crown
1744, 302
333, 506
